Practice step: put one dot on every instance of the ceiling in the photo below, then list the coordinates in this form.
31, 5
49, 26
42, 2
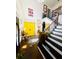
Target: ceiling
52, 3
20, 11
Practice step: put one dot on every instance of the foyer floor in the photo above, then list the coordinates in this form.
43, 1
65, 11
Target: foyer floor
31, 52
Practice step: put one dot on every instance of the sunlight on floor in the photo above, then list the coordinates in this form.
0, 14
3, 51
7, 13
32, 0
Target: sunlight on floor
24, 46
33, 40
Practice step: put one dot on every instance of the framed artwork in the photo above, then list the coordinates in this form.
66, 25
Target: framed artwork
45, 11
30, 12
45, 8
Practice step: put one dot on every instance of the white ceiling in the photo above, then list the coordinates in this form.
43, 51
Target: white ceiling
51, 3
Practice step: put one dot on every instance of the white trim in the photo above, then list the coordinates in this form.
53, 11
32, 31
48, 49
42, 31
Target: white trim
41, 53
59, 26
54, 32
49, 52
55, 41
54, 47
58, 29
60, 38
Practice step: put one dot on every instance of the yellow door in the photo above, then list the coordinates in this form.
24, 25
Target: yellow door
29, 28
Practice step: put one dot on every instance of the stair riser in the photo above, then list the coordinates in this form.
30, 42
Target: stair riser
45, 53
59, 27
56, 39
53, 47
56, 45
58, 30
57, 33
41, 53
49, 52
54, 52
60, 38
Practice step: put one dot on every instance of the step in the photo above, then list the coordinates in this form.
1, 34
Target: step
58, 30
57, 33
41, 53
53, 51
55, 41
54, 47
49, 52
59, 26
44, 52
60, 38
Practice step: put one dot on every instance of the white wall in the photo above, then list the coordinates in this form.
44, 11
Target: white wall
22, 11
57, 5
37, 9
60, 19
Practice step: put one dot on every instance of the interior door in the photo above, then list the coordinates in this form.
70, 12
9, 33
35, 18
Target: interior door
29, 28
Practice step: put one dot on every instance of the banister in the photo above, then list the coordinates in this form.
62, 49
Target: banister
49, 25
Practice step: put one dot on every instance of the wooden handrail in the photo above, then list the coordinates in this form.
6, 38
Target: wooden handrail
49, 25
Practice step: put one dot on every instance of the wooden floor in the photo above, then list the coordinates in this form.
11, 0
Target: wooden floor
31, 53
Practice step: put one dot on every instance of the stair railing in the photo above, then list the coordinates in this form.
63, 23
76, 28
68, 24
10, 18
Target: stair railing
51, 26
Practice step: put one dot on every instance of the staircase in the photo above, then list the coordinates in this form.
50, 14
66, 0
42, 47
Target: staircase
52, 47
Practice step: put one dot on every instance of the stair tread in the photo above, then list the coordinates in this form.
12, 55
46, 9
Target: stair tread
49, 52
60, 38
58, 30
55, 41
47, 56
54, 47
53, 51
57, 33
59, 26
